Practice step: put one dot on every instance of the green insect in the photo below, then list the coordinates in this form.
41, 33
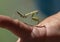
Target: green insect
21, 15
32, 13
35, 19
28, 14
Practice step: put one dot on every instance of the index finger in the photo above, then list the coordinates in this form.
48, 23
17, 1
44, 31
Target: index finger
17, 27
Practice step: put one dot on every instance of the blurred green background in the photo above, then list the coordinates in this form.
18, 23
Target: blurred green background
9, 8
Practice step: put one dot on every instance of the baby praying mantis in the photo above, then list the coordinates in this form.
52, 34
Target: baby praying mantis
26, 15
31, 13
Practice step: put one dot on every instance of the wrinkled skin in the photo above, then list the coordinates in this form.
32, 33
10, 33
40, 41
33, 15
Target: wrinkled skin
47, 30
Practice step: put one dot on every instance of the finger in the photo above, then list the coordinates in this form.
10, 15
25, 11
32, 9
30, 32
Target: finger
18, 40
18, 28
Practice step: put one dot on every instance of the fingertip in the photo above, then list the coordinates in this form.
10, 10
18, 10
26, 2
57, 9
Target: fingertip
18, 40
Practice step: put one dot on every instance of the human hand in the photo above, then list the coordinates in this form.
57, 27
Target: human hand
49, 32
46, 31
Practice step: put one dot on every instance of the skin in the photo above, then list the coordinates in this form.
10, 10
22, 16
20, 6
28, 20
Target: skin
46, 31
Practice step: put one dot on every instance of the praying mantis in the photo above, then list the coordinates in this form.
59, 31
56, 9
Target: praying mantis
32, 15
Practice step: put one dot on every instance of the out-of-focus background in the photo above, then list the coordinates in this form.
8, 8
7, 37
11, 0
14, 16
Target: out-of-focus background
10, 8
48, 7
